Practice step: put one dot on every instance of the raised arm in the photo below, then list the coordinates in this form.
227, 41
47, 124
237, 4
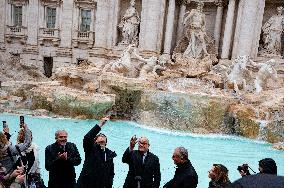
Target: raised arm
128, 152
88, 141
22, 146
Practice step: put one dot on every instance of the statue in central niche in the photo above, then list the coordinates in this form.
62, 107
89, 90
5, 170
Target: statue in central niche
272, 33
195, 52
129, 25
195, 32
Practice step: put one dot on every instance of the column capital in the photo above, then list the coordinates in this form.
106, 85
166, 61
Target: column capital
220, 3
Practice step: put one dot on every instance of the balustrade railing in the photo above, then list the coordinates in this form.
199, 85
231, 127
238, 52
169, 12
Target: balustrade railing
49, 32
16, 30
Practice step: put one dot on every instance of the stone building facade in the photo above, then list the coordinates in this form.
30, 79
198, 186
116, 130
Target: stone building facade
56, 33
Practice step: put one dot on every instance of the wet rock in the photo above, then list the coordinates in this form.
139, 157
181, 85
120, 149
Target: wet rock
278, 146
41, 112
70, 102
183, 111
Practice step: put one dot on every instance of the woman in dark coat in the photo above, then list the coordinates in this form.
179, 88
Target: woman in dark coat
98, 168
219, 176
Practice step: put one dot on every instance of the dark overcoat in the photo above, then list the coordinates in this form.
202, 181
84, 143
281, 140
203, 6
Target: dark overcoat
98, 171
61, 172
185, 177
259, 181
149, 171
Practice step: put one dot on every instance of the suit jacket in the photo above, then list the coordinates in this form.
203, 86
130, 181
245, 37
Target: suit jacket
149, 172
61, 172
185, 177
98, 169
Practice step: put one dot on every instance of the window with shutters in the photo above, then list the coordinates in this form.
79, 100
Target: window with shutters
50, 17
17, 15
85, 20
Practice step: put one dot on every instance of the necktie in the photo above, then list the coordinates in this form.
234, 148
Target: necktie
103, 155
143, 159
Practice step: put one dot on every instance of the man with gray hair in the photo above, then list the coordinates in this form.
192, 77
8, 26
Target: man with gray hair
185, 175
60, 159
144, 166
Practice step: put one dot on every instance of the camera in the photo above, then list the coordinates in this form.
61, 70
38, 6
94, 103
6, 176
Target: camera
244, 168
22, 121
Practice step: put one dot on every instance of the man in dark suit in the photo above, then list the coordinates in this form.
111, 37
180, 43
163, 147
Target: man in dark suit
185, 175
60, 159
144, 166
98, 168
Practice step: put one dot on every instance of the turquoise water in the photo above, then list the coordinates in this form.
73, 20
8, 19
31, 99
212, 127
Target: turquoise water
203, 150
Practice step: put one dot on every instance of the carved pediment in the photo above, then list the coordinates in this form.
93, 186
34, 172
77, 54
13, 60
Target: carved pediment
85, 3
51, 2
18, 2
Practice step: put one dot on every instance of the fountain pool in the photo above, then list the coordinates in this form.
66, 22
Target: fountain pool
204, 150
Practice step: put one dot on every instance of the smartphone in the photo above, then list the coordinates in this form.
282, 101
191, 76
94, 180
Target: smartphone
5, 124
22, 121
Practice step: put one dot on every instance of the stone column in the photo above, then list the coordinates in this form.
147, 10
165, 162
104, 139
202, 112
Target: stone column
151, 26
102, 18
66, 23
169, 27
227, 40
246, 39
2, 20
180, 21
32, 17
218, 23
114, 31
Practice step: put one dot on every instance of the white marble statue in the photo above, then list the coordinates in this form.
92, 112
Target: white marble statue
123, 65
266, 71
150, 66
194, 29
272, 32
129, 25
239, 72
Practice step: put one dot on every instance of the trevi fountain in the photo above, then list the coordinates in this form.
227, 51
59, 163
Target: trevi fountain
199, 66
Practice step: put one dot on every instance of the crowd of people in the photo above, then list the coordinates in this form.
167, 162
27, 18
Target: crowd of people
19, 166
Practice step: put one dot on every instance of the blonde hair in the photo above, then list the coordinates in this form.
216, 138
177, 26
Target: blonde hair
3, 139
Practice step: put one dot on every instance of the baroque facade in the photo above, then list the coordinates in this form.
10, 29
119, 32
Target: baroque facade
56, 33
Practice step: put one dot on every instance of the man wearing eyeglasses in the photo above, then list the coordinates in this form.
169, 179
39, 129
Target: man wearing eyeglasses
98, 168
60, 159
144, 166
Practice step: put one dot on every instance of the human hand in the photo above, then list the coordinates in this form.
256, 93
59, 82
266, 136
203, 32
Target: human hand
243, 173
62, 155
24, 126
103, 121
20, 178
133, 142
6, 130
15, 173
